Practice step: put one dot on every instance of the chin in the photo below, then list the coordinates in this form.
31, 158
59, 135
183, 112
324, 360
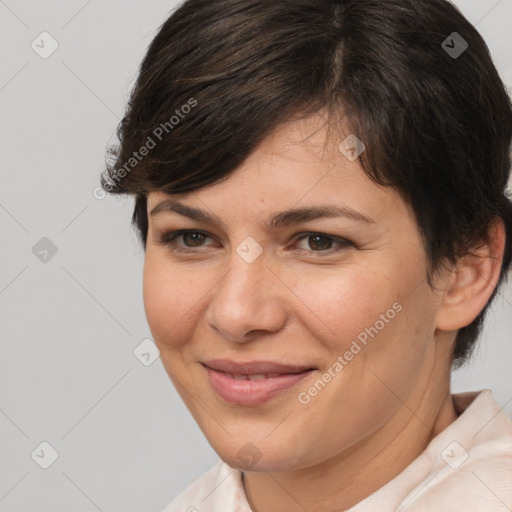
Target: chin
249, 456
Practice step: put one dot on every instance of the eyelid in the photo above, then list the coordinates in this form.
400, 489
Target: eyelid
170, 236
342, 242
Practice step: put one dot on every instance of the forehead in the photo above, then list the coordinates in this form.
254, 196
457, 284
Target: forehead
301, 163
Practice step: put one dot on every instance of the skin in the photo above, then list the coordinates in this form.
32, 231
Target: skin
304, 303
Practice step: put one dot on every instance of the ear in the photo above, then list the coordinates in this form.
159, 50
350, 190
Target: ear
472, 281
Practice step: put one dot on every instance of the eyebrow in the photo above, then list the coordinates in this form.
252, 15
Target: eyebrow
284, 218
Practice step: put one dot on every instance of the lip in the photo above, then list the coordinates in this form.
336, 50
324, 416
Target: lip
278, 378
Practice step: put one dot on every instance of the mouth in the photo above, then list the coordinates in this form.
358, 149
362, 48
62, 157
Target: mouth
253, 383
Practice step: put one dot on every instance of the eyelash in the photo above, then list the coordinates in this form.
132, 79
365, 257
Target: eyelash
168, 239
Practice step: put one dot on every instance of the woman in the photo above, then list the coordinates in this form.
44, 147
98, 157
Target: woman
319, 190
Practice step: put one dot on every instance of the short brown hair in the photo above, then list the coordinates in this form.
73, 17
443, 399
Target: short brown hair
436, 126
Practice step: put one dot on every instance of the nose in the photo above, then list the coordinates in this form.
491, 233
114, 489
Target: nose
247, 302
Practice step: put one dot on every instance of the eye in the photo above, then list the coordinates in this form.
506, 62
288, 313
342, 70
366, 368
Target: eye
190, 238
319, 243
322, 243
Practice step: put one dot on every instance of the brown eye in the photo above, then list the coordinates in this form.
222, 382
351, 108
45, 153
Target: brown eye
318, 242
321, 243
191, 239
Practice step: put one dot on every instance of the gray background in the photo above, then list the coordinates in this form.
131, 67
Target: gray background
70, 324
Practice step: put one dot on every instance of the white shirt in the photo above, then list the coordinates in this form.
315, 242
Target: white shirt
466, 468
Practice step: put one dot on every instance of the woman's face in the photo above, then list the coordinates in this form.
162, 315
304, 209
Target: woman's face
330, 316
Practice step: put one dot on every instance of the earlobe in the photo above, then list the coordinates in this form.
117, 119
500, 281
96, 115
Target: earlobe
472, 281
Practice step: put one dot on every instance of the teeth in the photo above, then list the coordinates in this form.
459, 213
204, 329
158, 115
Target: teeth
256, 376
239, 377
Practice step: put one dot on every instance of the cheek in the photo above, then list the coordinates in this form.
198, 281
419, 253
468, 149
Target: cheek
169, 299
367, 315
341, 303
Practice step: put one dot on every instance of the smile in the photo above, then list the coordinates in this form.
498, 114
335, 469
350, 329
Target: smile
255, 383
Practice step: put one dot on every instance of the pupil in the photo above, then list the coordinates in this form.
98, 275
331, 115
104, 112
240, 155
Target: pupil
196, 236
319, 246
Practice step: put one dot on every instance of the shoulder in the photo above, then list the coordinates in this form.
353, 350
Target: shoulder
472, 462
220, 484
482, 481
